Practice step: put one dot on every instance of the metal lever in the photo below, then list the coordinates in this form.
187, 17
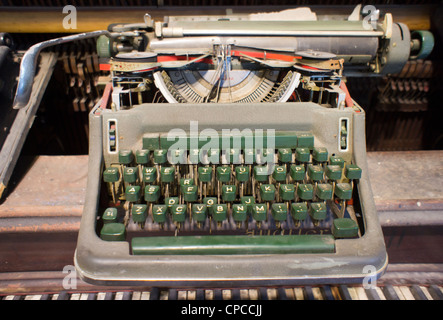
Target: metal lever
29, 63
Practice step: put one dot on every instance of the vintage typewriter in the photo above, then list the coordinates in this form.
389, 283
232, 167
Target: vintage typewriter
226, 150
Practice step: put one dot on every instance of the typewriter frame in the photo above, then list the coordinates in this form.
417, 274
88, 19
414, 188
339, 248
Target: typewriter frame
102, 262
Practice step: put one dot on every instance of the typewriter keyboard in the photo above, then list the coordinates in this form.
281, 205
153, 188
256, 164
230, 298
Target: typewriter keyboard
301, 195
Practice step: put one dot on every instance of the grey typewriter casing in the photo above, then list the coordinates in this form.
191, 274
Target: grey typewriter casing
103, 262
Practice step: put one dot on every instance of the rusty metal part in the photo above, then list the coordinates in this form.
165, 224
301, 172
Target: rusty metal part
12, 146
29, 64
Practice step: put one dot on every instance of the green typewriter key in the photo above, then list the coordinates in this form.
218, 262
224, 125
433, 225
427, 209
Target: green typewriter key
279, 211
239, 212
268, 152
205, 174
302, 154
305, 191
199, 212
214, 156
139, 213
285, 155
149, 174
318, 211
111, 175
113, 232
234, 156
279, 173
130, 174
241, 173
259, 212
229, 193
142, 156
248, 201
125, 157
333, 172
267, 192
159, 213
299, 211
167, 174
160, 156
337, 161
315, 172
132, 193
249, 156
344, 228
353, 172
152, 193
219, 212
194, 156
186, 182
110, 215
223, 174
287, 192
209, 201
305, 140
178, 212
268, 155
190, 194
324, 191
261, 173
297, 172
177, 156
343, 191
170, 201
320, 154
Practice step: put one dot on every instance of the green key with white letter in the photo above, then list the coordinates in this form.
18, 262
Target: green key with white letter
159, 213
111, 174
299, 211
199, 212
219, 212
205, 174
139, 212
286, 192
267, 192
229, 193
279, 211
167, 174
223, 174
110, 215
259, 212
149, 174
178, 212
130, 174
152, 193
132, 193
239, 212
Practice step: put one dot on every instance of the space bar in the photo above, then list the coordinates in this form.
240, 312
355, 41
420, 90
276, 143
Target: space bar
232, 244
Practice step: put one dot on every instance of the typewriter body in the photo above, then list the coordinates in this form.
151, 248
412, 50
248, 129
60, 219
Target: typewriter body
227, 151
